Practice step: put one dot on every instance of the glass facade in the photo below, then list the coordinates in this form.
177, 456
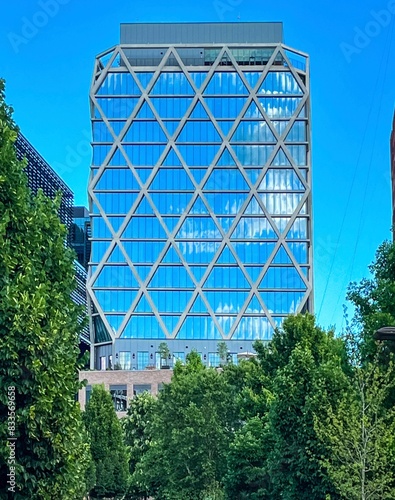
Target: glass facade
200, 196
80, 234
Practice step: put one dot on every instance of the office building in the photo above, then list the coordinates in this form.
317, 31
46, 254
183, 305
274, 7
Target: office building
41, 176
200, 191
80, 234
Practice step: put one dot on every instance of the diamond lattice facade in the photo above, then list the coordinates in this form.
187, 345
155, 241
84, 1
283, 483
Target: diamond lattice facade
200, 191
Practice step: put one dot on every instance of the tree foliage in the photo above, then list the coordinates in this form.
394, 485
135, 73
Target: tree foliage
361, 433
304, 366
109, 452
191, 431
39, 332
136, 426
374, 301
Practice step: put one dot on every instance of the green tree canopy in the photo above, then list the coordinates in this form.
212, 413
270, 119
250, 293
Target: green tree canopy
277, 452
192, 428
360, 431
136, 426
39, 332
374, 301
108, 448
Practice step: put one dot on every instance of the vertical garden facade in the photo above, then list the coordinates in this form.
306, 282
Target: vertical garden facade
200, 190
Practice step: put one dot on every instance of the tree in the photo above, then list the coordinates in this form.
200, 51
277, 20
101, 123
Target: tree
361, 433
305, 367
247, 477
108, 449
138, 437
164, 353
39, 332
193, 424
374, 301
223, 352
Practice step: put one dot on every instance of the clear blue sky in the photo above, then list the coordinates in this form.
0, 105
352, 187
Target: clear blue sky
48, 72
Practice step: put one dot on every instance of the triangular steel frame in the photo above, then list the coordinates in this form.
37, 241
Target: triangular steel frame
170, 54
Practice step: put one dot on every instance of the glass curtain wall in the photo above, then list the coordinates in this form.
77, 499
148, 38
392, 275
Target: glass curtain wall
200, 200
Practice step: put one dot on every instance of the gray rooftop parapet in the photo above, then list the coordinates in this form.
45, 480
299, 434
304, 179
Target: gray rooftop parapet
189, 33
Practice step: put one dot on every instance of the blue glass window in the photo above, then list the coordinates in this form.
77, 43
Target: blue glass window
199, 228
297, 132
213, 359
282, 302
223, 107
280, 82
298, 154
145, 131
172, 84
115, 107
279, 107
179, 356
226, 277
196, 155
199, 328
117, 179
142, 359
281, 180
116, 276
115, 300
143, 251
198, 131
225, 301
125, 360
226, 83
254, 253
254, 227
170, 301
198, 252
144, 227
100, 228
171, 277
119, 83
282, 277
254, 131
298, 229
171, 107
99, 248
281, 203
171, 203
144, 77
226, 179
252, 77
299, 251
143, 326
116, 203
172, 179
100, 153
226, 203
147, 155
253, 328
253, 155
